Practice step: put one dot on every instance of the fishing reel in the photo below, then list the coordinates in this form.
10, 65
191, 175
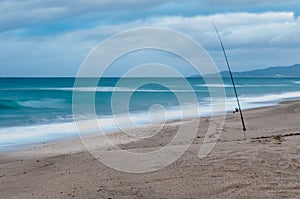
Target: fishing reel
236, 110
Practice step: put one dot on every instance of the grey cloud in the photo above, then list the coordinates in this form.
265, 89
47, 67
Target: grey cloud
239, 29
252, 40
17, 14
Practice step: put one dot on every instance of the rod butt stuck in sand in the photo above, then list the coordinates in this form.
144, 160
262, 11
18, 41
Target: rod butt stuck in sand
232, 81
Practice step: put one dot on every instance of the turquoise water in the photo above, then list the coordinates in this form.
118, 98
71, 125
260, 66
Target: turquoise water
35, 110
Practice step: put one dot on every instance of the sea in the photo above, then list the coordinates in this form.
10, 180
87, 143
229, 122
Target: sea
39, 110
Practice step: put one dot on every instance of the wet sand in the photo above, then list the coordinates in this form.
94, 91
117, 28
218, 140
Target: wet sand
266, 165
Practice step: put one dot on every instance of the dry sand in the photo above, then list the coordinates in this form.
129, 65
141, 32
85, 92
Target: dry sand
266, 165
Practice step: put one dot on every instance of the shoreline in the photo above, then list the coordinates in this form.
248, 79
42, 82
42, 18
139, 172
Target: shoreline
29, 146
44, 148
267, 164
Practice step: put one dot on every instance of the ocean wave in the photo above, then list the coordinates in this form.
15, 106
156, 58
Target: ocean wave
296, 82
110, 89
40, 103
271, 97
240, 85
8, 104
276, 97
48, 132
255, 101
105, 89
214, 85
128, 89
260, 99
123, 89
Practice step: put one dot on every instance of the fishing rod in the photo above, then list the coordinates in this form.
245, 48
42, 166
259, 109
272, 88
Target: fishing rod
232, 80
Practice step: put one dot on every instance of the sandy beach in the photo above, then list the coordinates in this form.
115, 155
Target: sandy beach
266, 165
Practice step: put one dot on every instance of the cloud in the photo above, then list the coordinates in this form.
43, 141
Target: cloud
17, 14
238, 30
253, 40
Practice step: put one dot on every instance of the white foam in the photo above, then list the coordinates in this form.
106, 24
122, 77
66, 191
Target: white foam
104, 89
47, 132
270, 97
214, 85
121, 89
240, 85
43, 103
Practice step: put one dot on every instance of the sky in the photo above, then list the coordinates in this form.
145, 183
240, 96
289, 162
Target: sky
53, 37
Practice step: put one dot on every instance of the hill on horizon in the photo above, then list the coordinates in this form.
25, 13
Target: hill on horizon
270, 72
